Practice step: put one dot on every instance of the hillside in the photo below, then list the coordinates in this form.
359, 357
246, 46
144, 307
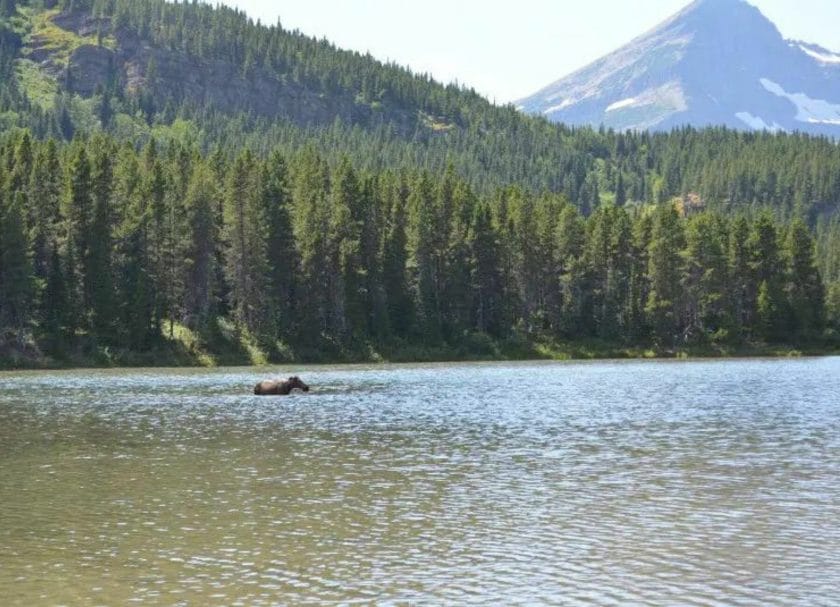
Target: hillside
91, 52
211, 78
192, 72
717, 62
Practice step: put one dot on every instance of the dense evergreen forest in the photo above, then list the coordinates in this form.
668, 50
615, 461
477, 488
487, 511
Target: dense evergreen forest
107, 247
366, 209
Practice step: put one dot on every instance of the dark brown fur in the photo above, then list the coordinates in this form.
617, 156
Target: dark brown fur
278, 387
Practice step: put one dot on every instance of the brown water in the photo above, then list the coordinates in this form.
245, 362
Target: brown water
713, 483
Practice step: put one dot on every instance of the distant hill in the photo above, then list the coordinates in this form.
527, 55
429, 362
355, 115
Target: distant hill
717, 62
209, 74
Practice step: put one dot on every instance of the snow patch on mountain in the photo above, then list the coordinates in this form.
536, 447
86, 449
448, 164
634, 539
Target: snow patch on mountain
621, 104
561, 106
757, 123
820, 54
813, 111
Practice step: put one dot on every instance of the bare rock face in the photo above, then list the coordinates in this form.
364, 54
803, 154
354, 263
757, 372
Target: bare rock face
83, 24
90, 65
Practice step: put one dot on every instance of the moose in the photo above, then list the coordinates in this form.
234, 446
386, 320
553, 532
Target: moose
278, 387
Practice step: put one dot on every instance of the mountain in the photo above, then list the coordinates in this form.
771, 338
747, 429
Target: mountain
716, 62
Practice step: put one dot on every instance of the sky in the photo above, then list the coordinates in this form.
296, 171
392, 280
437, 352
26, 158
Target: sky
509, 49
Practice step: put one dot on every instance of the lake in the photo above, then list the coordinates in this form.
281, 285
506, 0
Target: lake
609, 483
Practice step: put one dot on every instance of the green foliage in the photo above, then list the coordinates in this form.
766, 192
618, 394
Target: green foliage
706, 276
111, 247
416, 124
767, 272
39, 87
804, 289
197, 248
244, 232
389, 210
665, 301
16, 276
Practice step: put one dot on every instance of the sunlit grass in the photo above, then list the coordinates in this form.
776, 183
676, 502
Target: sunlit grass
61, 43
39, 87
238, 338
190, 341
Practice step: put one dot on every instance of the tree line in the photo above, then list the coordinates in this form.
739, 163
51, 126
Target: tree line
102, 242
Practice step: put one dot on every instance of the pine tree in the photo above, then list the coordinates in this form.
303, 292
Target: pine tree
370, 216
156, 231
597, 263
22, 165
177, 174
395, 259
620, 191
282, 257
767, 273
506, 228
447, 259
44, 196
344, 277
570, 242
244, 233
100, 281
742, 291
199, 249
706, 275
78, 213
486, 278
804, 286
619, 273
135, 262
526, 251
55, 306
311, 227
457, 297
664, 271
423, 263
16, 283
639, 328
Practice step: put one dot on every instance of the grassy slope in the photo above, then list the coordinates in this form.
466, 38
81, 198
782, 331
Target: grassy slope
40, 80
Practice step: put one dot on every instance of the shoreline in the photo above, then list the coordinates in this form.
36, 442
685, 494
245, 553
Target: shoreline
572, 352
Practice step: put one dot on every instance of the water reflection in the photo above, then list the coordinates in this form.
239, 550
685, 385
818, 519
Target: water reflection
609, 483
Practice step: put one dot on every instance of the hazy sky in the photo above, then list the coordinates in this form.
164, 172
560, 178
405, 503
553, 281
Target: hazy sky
507, 50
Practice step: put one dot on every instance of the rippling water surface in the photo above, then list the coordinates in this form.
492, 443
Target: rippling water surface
709, 483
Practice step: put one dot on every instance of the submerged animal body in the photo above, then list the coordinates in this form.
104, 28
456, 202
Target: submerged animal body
280, 387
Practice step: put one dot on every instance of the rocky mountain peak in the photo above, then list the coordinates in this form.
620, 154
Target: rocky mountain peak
716, 62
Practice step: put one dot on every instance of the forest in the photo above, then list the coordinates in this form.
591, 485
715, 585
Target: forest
105, 248
380, 215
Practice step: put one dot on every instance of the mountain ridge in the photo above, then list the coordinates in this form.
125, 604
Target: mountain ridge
715, 62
